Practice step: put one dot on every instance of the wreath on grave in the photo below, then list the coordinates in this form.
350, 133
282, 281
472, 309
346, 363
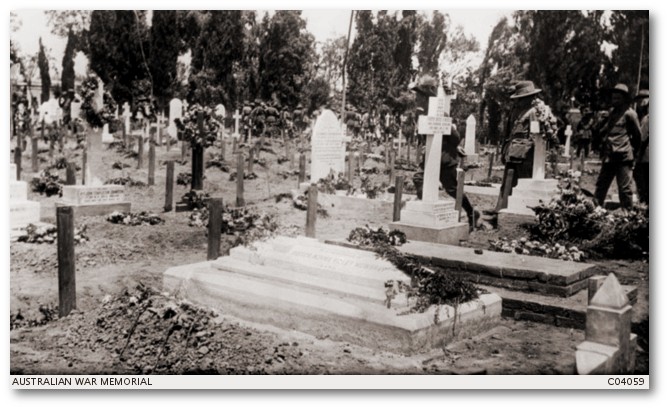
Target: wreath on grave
97, 116
189, 130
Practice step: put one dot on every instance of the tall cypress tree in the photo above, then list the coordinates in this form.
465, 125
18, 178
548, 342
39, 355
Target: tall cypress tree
43, 64
165, 45
67, 77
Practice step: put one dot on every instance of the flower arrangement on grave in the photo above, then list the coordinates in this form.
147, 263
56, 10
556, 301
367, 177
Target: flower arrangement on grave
48, 234
427, 287
134, 219
189, 130
574, 219
331, 184
97, 116
184, 178
217, 161
371, 190
537, 248
547, 121
47, 183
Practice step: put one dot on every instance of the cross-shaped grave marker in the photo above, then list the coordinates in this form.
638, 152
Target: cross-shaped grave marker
434, 125
237, 117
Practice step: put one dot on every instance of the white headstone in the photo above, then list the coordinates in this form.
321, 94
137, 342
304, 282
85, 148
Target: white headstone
220, 110
567, 144
176, 112
98, 98
126, 117
470, 136
75, 109
328, 148
237, 117
539, 164
106, 136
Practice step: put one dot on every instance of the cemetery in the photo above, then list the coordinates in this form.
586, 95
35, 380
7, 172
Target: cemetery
186, 236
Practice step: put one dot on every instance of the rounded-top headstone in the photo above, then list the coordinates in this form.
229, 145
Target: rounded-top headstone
328, 149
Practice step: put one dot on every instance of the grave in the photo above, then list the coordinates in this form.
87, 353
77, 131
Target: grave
328, 291
433, 219
470, 141
176, 112
126, 117
21, 210
610, 346
106, 136
530, 191
94, 198
532, 288
328, 148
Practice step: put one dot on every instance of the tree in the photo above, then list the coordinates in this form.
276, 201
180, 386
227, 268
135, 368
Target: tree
432, 40
218, 47
287, 57
118, 40
629, 34
67, 76
165, 44
43, 63
316, 94
330, 61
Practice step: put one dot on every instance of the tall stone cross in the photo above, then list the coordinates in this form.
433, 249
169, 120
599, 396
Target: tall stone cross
567, 144
237, 117
434, 125
539, 160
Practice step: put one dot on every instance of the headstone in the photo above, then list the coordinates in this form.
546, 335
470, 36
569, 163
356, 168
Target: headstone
94, 198
328, 148
75, 109
609, 347
21, 210
470, 140
126, 117
529, 192
176, 112
220, 111
567, 144
432, 219
106, 136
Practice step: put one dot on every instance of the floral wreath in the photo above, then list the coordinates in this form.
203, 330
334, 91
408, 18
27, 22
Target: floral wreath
189, 129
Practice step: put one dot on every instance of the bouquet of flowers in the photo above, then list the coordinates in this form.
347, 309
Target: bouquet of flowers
547, 121
189, 127
96, 115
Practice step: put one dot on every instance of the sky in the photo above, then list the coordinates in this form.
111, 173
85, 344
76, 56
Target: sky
322, 23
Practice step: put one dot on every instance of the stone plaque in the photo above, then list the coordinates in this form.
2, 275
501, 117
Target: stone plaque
327, 147
86, 195
434, 125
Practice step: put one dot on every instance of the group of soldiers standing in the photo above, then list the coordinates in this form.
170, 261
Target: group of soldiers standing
273, 120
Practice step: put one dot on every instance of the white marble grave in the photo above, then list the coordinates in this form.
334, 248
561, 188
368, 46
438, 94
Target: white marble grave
305, 285
470, 140
176, 112
328, 149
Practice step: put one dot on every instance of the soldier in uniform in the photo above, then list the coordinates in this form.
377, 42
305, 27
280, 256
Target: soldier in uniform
258, 118
272, 120
299, 120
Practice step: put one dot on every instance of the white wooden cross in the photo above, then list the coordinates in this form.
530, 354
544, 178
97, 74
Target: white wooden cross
539, 159
237, 117
434, 125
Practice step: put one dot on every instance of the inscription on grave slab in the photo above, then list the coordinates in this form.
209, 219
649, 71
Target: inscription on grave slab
93, 195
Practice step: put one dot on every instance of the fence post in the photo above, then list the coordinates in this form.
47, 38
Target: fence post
67, 294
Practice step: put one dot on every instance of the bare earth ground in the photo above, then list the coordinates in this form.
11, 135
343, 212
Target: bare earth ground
119, 257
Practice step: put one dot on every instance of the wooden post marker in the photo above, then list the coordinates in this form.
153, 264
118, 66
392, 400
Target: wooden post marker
140, 151
503, 200
303, 169
492, 161
84, 159
240, 179
152, 164
397, 204
34, 154
67, 294
214, 232
251, 153
17, 161
392, 166
71, 174
169, 186
460, 193
351, 169
312, 207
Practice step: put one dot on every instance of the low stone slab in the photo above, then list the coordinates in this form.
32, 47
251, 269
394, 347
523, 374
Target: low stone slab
448, 235
102, 209
18, 191
483, 190
382, 204
325, 300
22, 213
520, 272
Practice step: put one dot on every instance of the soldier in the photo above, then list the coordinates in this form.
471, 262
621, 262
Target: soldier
272, 119
299, 120
642, 157
258, 118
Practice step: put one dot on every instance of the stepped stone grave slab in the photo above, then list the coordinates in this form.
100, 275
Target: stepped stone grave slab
22, 211
506, 270
95, 200
382, 204
327, 291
